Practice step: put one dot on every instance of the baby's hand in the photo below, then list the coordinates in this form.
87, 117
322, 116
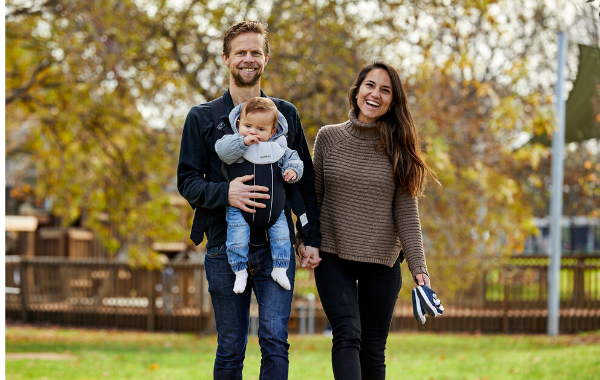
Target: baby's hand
249, 140
289, 175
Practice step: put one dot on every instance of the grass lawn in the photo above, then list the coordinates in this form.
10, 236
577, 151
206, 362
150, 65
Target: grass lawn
99, 354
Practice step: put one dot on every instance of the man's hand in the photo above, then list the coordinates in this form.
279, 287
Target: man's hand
289, 175
310, 256
242, 196
249, 140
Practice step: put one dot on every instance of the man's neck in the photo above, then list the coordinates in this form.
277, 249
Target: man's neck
242, 94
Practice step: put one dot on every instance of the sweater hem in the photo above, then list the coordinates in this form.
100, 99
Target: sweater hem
363, 259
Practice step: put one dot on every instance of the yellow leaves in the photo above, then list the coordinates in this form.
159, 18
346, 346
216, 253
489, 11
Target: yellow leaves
531, 155
529, 226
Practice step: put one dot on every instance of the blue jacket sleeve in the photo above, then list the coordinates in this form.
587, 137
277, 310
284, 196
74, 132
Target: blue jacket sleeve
230, 148
290, 160
194, 164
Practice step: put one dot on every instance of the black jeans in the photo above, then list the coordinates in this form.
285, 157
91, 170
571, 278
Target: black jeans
358, 299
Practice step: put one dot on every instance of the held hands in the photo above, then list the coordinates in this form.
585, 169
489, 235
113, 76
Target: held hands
289, 175
310, 256
242, 196
250, 139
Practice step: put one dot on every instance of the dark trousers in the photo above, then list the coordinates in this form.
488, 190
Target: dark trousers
358, 299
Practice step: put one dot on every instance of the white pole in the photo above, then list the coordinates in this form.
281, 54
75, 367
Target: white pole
558, 144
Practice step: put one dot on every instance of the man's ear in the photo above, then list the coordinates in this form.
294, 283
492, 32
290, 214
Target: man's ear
266, 59
225, 59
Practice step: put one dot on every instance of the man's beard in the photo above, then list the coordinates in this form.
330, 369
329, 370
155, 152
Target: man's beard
240, 82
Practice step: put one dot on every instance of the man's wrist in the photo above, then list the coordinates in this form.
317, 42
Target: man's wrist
311, 243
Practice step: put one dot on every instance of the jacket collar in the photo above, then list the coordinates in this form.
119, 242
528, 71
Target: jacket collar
229, 101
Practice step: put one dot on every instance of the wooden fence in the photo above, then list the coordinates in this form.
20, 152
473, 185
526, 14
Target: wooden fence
106, 293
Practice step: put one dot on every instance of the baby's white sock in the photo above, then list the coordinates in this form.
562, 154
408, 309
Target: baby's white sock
241, 278
280, 277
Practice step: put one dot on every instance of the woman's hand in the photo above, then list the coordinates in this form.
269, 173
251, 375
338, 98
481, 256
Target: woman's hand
310, 256
422, 279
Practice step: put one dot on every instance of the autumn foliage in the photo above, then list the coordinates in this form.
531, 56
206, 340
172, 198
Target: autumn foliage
96, 95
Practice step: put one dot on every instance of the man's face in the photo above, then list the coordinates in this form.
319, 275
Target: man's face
247, 59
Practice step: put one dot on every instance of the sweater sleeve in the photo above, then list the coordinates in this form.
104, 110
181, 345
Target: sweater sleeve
408, 225
318, 153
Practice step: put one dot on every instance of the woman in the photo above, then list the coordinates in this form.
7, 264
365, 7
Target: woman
369, 172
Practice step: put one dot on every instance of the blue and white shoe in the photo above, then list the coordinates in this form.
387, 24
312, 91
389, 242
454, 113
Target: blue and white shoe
429, 301
417, 309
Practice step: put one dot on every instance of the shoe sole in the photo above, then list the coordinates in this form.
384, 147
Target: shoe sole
424, 299
419, 316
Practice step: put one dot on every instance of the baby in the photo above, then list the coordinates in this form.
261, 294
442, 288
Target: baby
258, 146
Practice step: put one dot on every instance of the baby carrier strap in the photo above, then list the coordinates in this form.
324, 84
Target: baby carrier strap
293, 195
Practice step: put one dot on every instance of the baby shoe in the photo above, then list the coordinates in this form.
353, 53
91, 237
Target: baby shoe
417, 309
429, 301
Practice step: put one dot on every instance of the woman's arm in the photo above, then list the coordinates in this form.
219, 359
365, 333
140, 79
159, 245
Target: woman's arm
408, 225
318, 157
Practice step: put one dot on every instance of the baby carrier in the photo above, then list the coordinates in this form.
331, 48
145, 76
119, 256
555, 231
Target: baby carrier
262, 163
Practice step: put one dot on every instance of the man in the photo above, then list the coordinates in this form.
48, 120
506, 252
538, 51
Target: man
201, 182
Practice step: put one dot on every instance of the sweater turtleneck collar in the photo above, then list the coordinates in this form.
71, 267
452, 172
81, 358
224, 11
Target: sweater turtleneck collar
364, 131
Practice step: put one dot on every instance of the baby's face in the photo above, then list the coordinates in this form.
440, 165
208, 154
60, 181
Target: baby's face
259, 124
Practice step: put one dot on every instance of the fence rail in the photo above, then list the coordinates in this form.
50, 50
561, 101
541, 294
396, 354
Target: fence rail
106, 293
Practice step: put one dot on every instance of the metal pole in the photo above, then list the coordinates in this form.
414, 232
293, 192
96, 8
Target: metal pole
558, 143
311, 313
302, 318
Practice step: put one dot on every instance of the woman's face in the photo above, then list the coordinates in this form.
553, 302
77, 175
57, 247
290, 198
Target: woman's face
374, 96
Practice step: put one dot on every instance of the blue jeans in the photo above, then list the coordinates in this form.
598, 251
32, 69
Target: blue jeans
232, 313
238, 236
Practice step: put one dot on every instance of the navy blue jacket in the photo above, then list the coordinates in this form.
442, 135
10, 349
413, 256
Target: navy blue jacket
201, 182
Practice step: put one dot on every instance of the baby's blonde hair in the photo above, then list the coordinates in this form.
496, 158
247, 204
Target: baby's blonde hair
259, 104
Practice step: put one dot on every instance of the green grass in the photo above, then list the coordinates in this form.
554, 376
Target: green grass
100, 354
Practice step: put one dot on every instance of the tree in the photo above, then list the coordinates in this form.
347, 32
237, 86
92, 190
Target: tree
102, 92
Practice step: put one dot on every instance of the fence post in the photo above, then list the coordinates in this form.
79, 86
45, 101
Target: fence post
24, 288
579, 283
151, 299
505, 305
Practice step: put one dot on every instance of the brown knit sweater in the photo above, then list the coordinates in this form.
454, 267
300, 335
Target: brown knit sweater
363, 214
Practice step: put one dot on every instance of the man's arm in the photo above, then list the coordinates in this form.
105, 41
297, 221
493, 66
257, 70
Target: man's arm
306, 184
193, 164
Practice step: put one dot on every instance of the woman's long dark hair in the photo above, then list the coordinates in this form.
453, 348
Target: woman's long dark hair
399, 136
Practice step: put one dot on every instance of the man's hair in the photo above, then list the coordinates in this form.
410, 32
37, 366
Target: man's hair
260, 105
245, 27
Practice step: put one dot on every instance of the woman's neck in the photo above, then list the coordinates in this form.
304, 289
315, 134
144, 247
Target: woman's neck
365, 131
